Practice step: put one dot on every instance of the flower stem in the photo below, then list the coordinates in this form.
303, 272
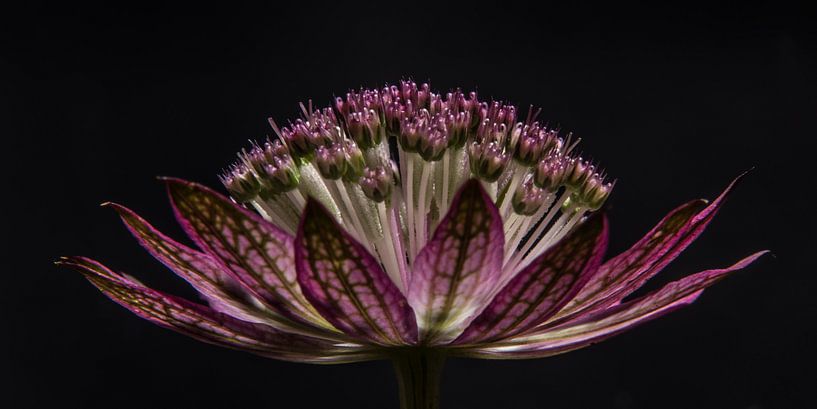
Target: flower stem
418, 376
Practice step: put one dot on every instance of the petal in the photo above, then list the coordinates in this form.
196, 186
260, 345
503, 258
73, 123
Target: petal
543, 287
208, 325
200, 270
625, 273
260, 254
601, 325
347, 285
454, 275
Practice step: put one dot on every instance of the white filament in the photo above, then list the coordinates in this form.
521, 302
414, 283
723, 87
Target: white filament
396, 230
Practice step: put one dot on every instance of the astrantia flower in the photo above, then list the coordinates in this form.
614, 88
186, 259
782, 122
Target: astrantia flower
407, 225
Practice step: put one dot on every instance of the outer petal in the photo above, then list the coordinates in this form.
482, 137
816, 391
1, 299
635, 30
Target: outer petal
625, 273
604, 324
215, 283
205, 324
543, 287
347, 285
455, 273
260, 254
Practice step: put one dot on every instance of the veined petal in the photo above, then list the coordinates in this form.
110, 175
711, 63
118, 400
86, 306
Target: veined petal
454, 274
208, 325
347, 285
260, 254
625, 273
215, 283
543, 287
601, 325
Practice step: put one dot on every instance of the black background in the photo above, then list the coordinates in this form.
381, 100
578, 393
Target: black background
674, 102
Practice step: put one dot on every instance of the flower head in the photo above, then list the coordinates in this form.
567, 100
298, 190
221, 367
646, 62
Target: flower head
402, 218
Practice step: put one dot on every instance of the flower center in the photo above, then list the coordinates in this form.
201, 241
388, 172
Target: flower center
388, 162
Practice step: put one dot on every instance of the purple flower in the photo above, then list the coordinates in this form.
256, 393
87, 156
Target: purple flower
407, 225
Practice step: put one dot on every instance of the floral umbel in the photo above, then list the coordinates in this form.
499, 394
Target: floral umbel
407, 225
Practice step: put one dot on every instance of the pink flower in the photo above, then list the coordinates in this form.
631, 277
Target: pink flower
407, 225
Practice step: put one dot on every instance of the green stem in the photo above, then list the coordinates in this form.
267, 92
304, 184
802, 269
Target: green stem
418, 376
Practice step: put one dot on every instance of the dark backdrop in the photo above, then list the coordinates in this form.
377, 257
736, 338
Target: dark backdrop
674, 102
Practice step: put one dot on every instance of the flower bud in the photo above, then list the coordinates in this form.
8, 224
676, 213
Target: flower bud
241, 183
279, 176
487, 160
364, 128
577, 173
274, 167
413, 129
394, 113
354, 161
411, 94
528, 198
472, 106
533, 143
595, 192
298, 138
498, 113
437, 105
457, 125
377, 182
433, 143
331, 161
549, 173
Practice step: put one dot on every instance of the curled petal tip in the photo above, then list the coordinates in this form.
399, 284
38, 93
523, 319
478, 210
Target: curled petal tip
172, 180
760, 254
118, 208
739, 178
115, 206
76, 262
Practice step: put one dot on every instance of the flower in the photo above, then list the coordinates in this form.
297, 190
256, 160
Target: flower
407, 225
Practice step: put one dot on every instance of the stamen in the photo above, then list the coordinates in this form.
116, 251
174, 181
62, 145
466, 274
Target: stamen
423, 211
506, 200
537, 234
408, 188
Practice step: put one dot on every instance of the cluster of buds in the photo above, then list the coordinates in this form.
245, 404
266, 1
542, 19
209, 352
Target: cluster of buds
363, 115
588, 186
350, 141
419, 117
491, 148
304, 136
424, 134
263, 171
274, 167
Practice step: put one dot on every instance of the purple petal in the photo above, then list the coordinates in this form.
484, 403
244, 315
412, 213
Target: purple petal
543, 287
455, 273
347, 285
601, 325
208, 325
216, 284
625, 273
260, 254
